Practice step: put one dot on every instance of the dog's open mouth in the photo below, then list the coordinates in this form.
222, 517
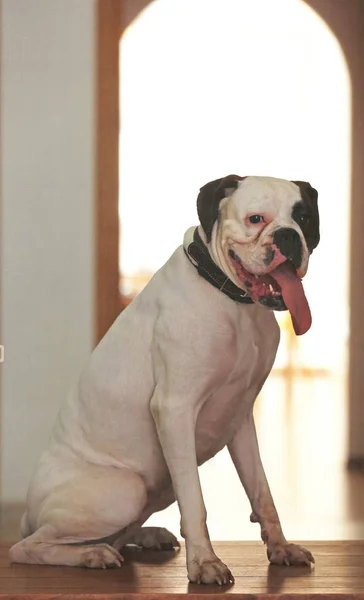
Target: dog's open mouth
281, 289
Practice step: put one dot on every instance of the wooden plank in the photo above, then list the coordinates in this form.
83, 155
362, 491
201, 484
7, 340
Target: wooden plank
338, 573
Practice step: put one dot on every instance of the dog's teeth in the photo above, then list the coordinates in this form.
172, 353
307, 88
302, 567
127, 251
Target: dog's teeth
271, 288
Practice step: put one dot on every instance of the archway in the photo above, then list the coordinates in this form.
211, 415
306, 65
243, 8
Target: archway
268, 93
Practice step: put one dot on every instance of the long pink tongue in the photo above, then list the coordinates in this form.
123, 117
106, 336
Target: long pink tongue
293, 296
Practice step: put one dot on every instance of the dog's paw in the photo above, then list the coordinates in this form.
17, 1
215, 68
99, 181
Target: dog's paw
289, 555
155, 538
102, 556
209, 571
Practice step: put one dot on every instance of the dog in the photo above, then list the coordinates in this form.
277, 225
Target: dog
173, 382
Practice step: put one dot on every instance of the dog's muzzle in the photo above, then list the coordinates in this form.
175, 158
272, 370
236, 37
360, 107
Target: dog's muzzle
289, 243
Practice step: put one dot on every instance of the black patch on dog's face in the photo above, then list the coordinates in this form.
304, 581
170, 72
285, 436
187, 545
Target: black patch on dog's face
209, 199
306, 214
269, 256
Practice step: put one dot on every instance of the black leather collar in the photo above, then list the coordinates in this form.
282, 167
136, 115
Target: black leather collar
199, 256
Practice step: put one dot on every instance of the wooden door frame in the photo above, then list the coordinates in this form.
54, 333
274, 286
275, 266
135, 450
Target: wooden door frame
107, 298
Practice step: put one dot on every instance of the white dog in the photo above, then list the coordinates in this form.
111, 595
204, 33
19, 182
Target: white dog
174, 381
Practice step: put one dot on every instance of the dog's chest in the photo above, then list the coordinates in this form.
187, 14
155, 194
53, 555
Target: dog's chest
221, 415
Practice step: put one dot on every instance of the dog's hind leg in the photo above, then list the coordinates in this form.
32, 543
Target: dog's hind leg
154, 538
25, 529
76, 517
150, 538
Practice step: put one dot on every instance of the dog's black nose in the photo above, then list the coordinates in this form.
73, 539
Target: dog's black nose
289, 243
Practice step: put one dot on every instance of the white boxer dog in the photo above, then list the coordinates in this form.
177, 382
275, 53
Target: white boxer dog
174, 381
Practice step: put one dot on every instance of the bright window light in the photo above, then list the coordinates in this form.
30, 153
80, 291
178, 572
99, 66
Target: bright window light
212, 87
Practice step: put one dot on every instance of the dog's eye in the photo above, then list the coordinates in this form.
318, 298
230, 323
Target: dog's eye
255, 219
304, 220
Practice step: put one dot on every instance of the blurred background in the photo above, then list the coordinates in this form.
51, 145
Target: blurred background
113, 114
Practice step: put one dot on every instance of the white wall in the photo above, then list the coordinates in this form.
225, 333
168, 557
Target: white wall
47, 189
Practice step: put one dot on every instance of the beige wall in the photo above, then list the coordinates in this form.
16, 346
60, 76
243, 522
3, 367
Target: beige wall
47, 194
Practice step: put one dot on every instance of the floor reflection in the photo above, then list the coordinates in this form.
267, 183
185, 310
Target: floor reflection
303, 446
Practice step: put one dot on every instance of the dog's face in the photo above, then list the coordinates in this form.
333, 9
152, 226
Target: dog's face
263, 231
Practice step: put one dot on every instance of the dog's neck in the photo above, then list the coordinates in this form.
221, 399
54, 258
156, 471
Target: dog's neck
197, 252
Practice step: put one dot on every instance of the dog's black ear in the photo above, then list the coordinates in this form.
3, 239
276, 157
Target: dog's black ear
310, 215
210, 197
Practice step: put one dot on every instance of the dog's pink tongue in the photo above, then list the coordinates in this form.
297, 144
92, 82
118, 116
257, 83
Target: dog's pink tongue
293, 296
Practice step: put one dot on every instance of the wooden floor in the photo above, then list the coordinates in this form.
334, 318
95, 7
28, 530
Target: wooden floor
302, 434
338, 573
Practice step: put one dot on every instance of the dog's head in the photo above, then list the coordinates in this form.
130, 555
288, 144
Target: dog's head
261, 231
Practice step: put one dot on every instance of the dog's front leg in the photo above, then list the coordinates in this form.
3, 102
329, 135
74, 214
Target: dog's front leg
244, 452
175, 422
